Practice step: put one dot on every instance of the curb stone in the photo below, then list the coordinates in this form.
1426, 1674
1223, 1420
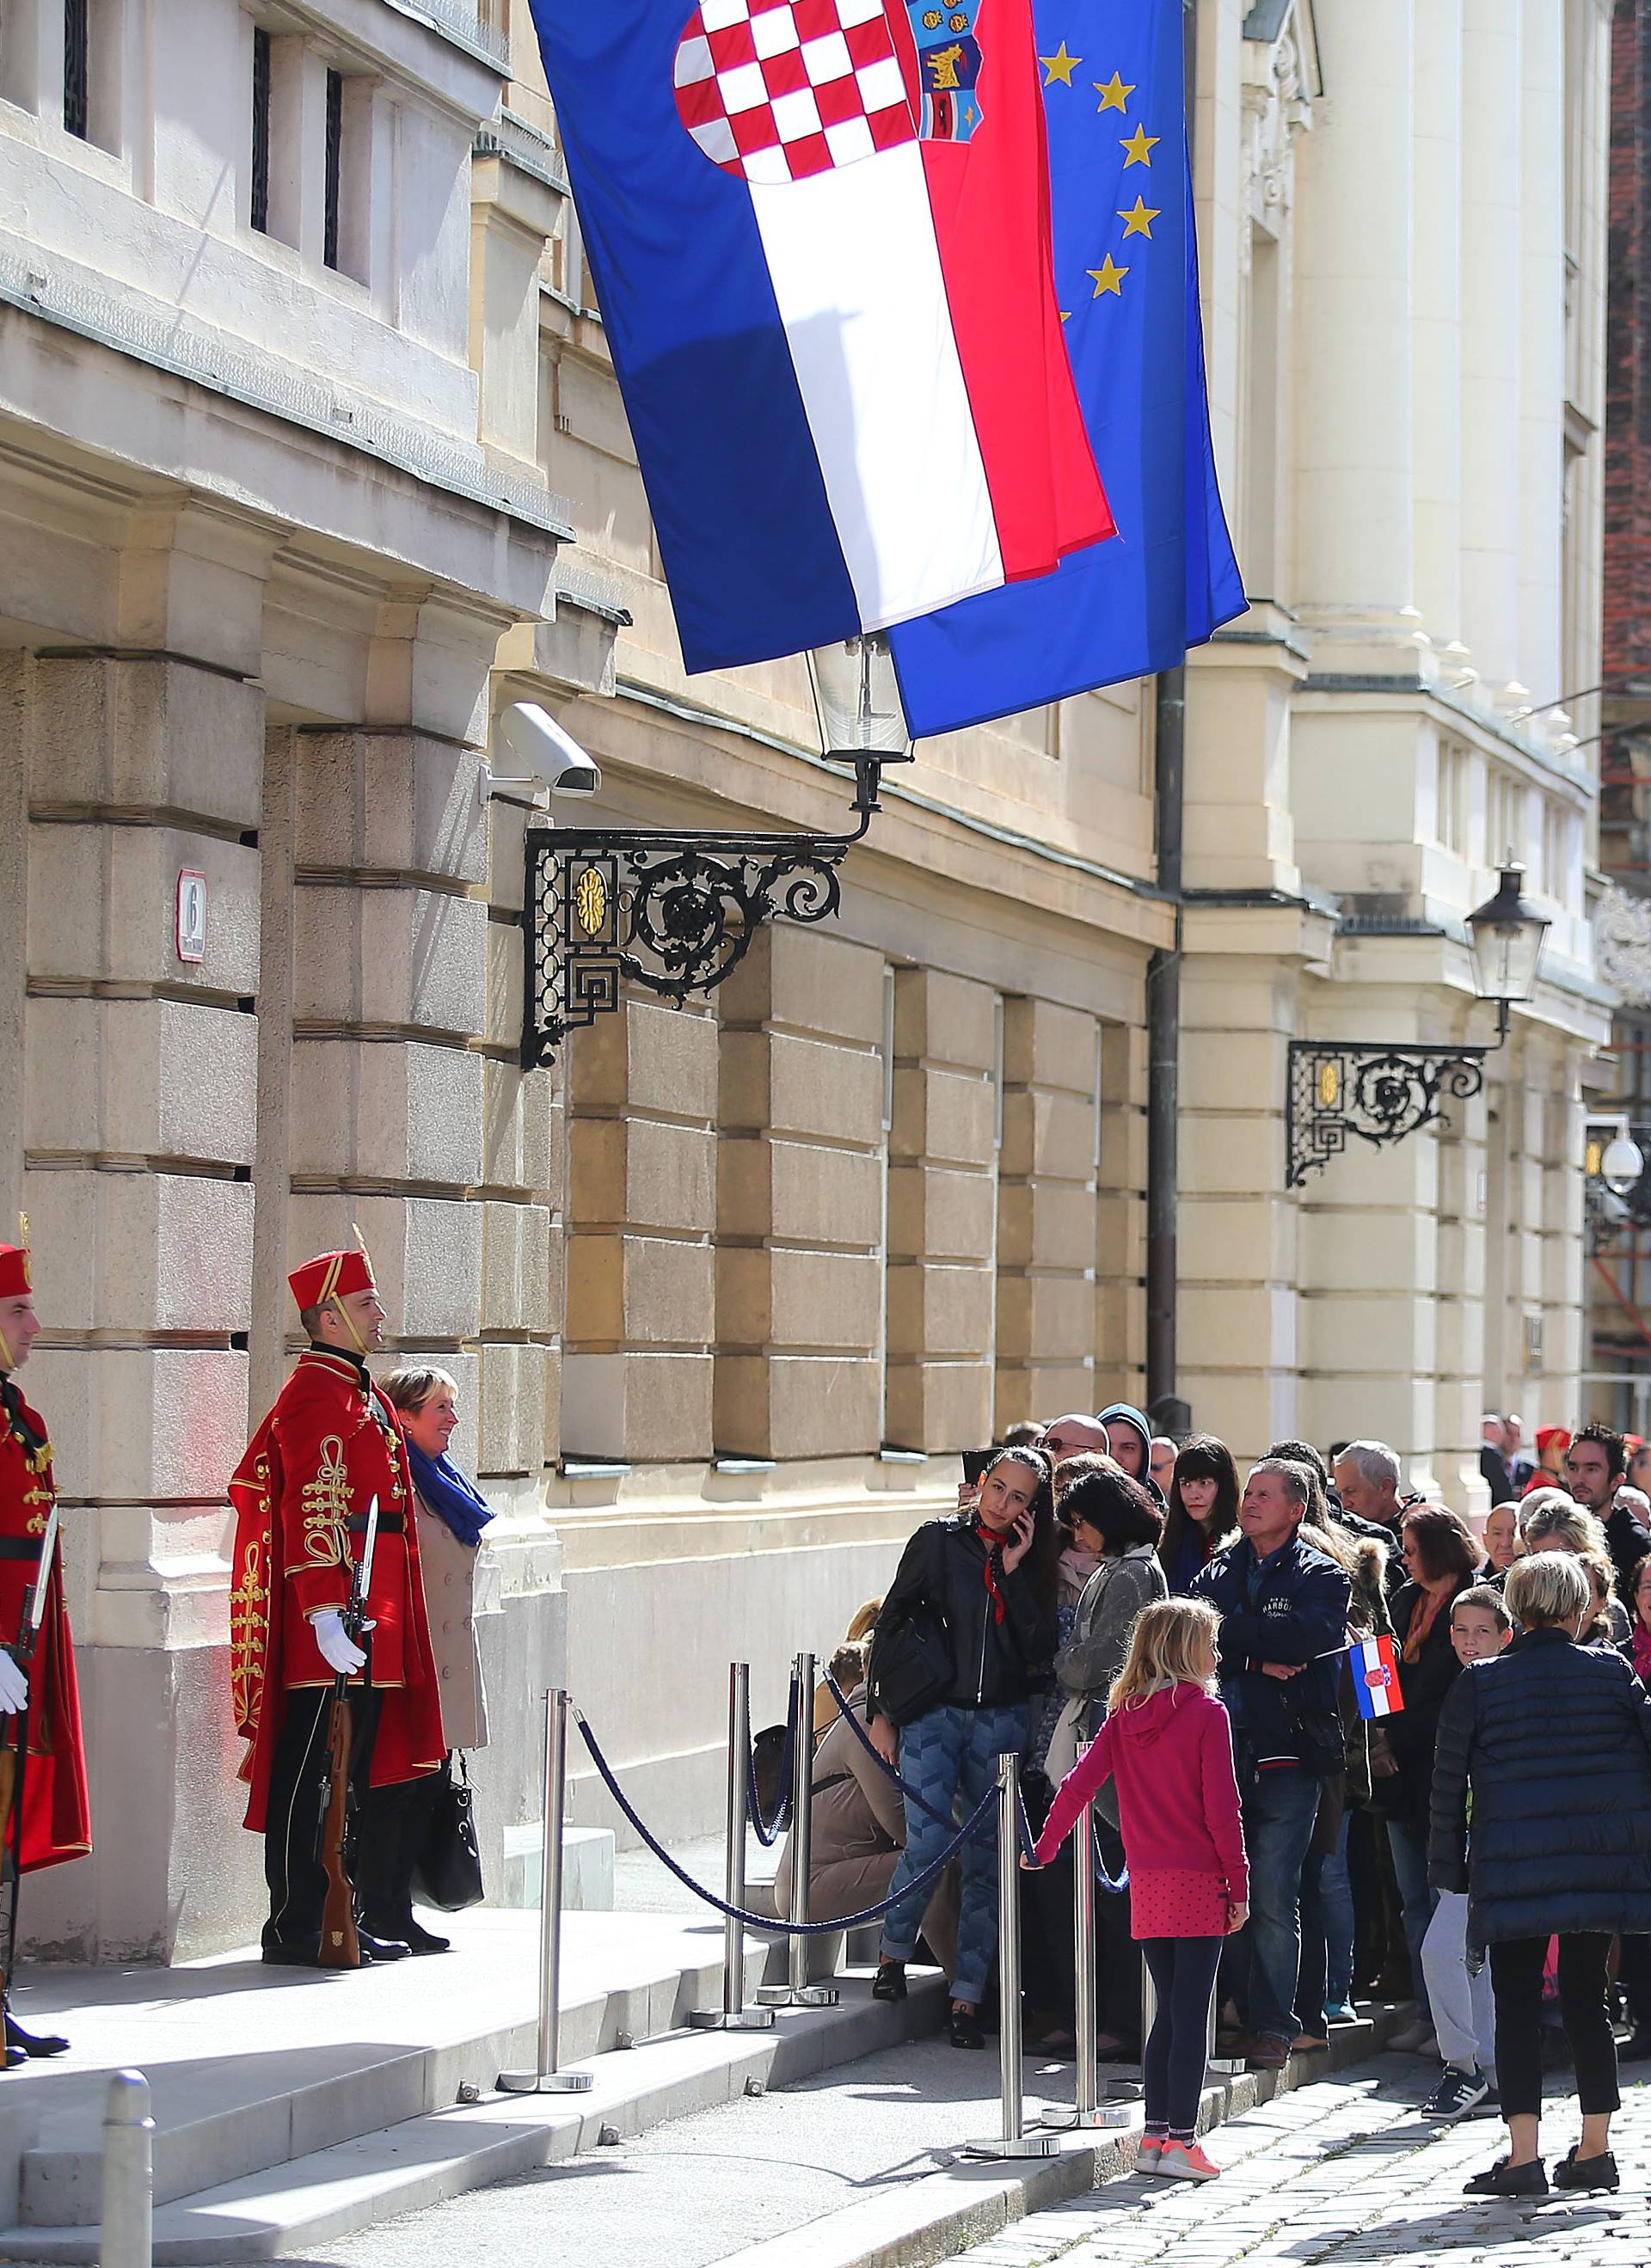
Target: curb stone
969, 2202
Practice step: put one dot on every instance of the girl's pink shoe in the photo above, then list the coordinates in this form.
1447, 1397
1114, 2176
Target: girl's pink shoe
1148, 2156
1185, 2161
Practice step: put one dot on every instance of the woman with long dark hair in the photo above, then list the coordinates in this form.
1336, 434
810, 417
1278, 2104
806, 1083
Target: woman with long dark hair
1203, 1509
965, 1640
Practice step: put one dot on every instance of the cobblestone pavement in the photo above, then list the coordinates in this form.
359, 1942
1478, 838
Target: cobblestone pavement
1346, 2172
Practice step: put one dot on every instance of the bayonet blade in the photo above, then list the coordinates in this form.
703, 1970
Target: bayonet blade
36, 1613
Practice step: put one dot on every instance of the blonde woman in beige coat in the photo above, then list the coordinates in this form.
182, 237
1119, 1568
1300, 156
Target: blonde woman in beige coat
451, 1513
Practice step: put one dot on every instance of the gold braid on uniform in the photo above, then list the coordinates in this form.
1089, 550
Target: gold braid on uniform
249, 1615
327, 1505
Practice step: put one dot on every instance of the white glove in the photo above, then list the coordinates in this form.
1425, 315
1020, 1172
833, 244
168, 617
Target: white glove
14, 1686
339, 1650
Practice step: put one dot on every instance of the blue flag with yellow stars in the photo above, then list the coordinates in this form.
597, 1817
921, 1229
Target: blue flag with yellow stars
1126, 268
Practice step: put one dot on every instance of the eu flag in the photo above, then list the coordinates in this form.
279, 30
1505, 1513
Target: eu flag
1127, 267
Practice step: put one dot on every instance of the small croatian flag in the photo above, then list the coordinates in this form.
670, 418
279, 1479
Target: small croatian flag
1375, 1677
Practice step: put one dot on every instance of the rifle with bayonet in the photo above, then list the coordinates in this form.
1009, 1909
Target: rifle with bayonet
15, 1751
341, 1944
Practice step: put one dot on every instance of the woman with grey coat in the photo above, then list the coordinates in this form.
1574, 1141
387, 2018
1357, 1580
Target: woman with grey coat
1113, 1515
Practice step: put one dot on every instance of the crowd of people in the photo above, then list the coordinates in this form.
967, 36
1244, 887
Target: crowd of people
1339, 1746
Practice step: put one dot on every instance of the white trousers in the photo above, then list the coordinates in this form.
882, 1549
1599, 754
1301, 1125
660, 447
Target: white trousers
1463, 2007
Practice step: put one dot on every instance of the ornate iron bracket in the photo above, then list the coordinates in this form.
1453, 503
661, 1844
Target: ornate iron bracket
1380, 1093
675, 912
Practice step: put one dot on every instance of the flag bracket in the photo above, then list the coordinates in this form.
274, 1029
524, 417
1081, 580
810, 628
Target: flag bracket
672, 911
1380, 1093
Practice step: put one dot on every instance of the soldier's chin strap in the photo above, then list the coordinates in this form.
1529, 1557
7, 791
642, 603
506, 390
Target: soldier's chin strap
7, 1363
348, 1322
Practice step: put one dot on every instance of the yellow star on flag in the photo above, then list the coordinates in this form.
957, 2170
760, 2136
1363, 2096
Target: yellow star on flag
1139, 218
1137, 146
1113, 93
1060, 67
1108, 277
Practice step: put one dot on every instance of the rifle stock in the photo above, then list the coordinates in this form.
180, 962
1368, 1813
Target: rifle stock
340, 1946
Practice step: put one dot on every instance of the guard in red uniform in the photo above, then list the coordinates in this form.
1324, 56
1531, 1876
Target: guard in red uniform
54, 1821
330, 1444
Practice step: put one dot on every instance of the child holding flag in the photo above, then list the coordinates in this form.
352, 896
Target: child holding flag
1167, 1743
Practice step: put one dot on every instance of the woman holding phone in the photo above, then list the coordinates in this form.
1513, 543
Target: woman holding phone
980, 1589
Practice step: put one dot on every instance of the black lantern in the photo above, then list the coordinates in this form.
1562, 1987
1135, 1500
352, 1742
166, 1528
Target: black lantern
1340, 1089
857, 702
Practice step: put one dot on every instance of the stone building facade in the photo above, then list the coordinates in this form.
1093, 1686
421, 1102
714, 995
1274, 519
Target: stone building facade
311, 462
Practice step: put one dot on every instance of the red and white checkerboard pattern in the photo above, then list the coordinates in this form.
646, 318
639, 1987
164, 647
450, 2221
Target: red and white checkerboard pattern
777, 90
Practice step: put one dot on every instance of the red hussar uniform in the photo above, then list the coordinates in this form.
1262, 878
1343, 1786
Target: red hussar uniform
56, 1821
330, 1444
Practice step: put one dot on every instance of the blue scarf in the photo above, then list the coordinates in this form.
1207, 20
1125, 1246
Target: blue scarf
456, 1502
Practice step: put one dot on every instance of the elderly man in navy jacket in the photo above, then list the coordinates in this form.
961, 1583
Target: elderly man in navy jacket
1284, 1622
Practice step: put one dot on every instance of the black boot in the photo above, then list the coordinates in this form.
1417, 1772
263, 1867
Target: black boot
34, 2044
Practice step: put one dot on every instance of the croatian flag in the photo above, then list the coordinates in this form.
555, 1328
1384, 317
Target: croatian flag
820, 237
1375, 1677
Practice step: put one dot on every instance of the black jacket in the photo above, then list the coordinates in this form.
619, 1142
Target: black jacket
1411, 1732
1554, 1741
1494, 1473
994, 1664
1627, 1542
1291, 1607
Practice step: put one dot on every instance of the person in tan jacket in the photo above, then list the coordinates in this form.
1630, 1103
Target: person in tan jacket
859, 1828
451, 1514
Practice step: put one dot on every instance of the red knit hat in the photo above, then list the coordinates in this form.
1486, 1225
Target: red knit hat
331, 1276
1550, 1437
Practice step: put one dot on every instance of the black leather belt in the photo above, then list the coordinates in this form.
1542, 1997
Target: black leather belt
20, 1547
390, 1523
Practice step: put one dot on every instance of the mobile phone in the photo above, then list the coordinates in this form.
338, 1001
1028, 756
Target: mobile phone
976, 1465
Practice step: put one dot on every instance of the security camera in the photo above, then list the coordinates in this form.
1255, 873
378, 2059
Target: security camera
550, 757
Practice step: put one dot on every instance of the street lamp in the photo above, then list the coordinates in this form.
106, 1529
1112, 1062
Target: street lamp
675, 910
1507, 932
857, 703
1381, 1092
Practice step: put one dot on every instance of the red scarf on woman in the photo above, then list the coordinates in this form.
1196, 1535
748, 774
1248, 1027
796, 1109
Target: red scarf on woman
994, 1561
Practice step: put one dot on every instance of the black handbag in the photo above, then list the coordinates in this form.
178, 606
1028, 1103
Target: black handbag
447, 1871
911, 1658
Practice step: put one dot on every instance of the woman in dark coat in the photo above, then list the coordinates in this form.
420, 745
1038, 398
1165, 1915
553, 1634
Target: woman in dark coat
1440, 1558
986, 1582
1551, 1741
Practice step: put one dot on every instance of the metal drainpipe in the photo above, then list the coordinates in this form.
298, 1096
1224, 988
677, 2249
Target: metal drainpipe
1163, 1048
1163, 975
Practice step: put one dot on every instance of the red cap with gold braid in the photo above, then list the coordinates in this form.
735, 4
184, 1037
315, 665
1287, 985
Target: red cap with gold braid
331, 1276
14, 1272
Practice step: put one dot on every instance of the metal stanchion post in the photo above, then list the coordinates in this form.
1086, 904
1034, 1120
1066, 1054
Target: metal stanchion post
1013, 2142
1090, 2111
734, 2015
128, 2184
547, 2078
797, 1991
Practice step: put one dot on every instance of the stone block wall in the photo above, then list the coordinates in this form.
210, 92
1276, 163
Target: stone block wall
1046, 1212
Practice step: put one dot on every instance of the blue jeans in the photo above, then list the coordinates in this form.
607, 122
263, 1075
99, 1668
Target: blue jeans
1278, 1819
1407, 1839
951, 1754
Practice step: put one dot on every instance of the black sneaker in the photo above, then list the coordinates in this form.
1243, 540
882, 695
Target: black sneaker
1457, 2093
1574, 2172
1504, 2180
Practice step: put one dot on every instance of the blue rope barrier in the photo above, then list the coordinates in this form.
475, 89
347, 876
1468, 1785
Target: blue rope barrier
767, 1831
1116, 1888
768, 1922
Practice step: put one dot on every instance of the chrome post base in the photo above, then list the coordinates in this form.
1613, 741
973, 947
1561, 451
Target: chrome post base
798, 1996
730, 2020
1015, 2146
546, 2082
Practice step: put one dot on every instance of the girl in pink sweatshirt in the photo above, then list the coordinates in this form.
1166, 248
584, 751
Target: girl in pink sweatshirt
1167, 1744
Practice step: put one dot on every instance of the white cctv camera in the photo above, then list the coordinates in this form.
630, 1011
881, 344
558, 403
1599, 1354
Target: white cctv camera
551, 757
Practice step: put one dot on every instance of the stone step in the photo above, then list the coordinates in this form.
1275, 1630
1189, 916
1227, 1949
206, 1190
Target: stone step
291, 2205
330, 2057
